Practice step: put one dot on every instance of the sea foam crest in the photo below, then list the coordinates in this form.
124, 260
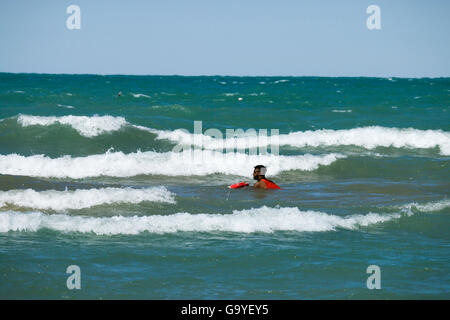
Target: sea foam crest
139, 95
86, 126
264, 219
366, 137
118, 164
427, 207
82, 198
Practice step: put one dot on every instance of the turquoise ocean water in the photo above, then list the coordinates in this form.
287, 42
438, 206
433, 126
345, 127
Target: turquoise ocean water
92, 179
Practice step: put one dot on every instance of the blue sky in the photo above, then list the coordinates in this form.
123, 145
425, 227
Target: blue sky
227, 37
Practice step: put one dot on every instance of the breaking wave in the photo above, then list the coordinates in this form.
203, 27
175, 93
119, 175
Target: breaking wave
85, 126
264, 219
366, 137
427, 207
118, 164
80, 199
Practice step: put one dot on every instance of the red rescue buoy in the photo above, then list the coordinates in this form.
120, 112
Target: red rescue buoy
238, 185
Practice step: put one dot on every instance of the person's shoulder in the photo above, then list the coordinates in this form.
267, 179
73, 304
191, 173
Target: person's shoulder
270, 184
260, 184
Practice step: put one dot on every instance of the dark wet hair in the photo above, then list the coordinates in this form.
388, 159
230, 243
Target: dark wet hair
260, 168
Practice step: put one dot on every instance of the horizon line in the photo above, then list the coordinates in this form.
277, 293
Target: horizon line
220, 75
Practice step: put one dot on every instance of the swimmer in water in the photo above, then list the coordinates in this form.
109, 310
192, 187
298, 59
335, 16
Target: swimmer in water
259, 174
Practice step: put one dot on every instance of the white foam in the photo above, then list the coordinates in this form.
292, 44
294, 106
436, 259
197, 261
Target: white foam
281, 81
118, 164
139, 95
427, 207
65, 106
86, 126
366, 137
263, 219
349, 110
176, 107
80, 199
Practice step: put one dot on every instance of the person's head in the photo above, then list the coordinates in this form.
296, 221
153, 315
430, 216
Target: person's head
259, 172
